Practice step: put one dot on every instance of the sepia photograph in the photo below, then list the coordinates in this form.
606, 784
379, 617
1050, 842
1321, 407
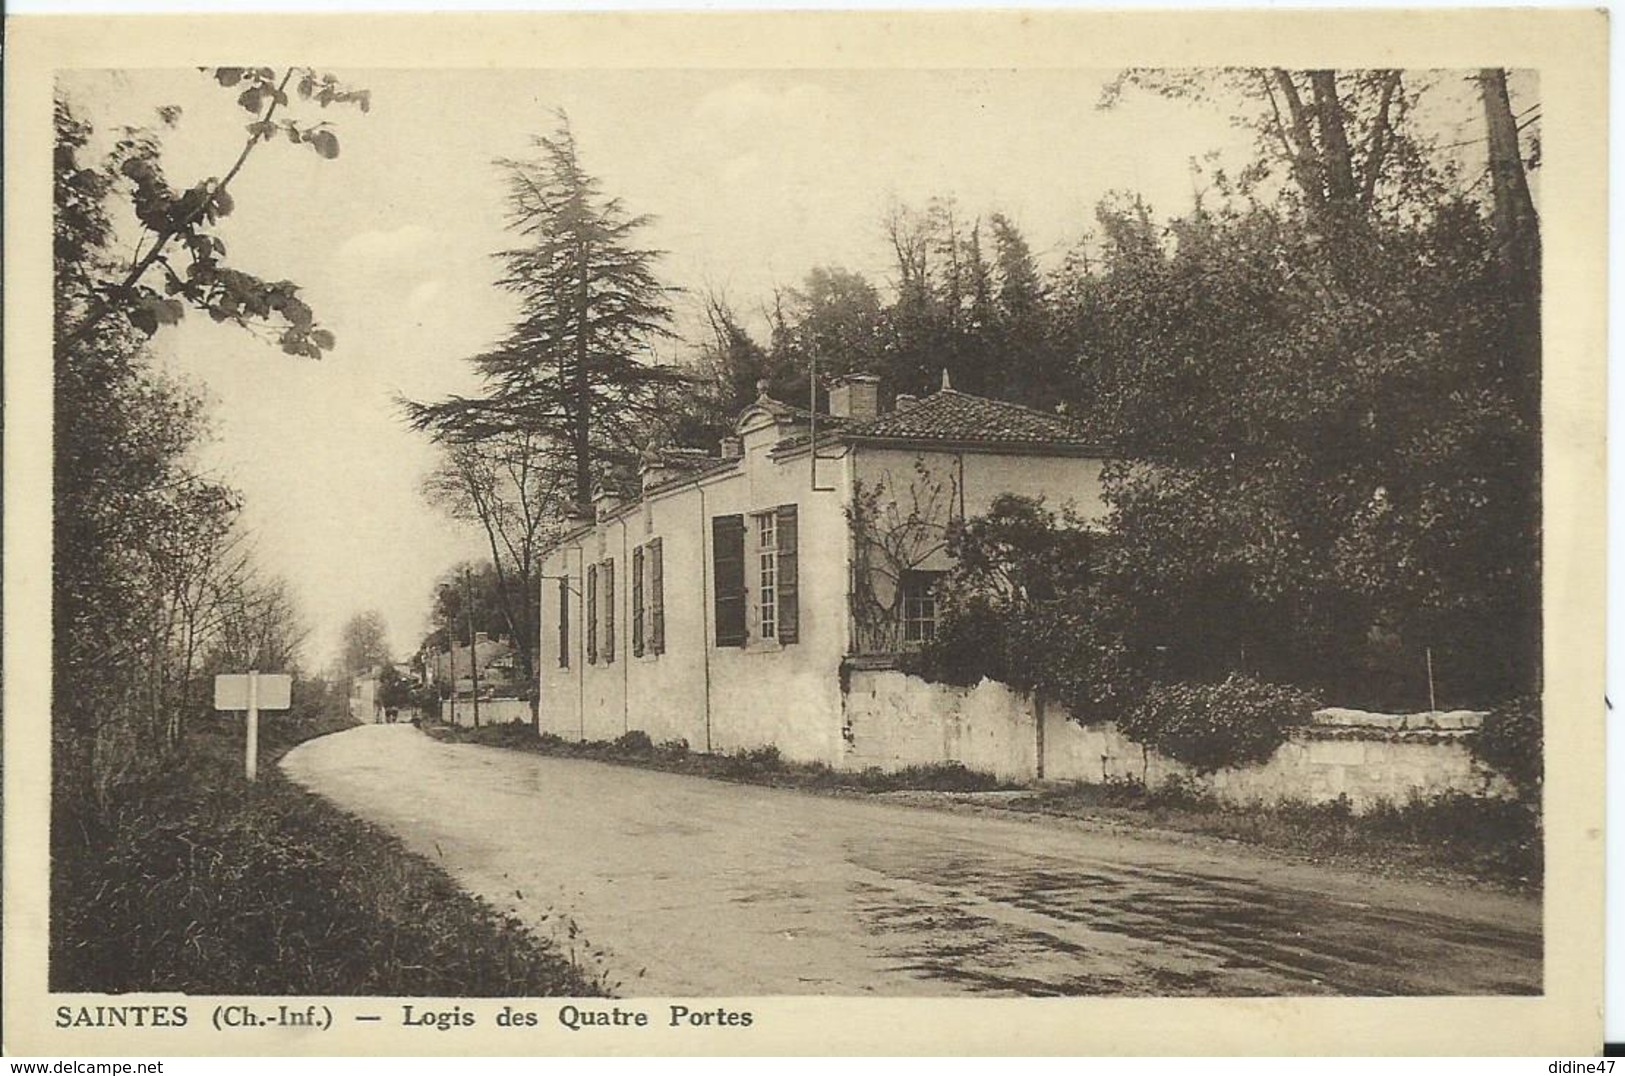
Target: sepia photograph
641, 534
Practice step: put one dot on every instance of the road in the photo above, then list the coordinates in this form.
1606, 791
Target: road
686, 886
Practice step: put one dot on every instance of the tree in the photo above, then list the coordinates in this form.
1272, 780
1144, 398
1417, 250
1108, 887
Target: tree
364, 645
143, 545
506, 484
569, 371
1342, 137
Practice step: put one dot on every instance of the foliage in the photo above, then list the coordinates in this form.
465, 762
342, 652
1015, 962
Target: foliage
363, 645
1022, 605
1510, 742
510, 487
1213, 726
894, 531
569, 372
154, 585
196, 884
635, 742
179, 243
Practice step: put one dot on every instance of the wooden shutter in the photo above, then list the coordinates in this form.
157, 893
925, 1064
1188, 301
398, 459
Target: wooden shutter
564, 622
592, 614
728, 561
609, 611
657, 598
789, 599
637, 602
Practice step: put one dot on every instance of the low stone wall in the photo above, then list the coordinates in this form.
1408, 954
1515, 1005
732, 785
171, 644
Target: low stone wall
892, 720
492, 712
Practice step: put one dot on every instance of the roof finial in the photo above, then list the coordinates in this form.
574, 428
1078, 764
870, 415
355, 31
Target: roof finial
761, 388
946, 384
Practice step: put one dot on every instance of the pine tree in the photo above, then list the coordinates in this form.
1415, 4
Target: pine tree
567, 371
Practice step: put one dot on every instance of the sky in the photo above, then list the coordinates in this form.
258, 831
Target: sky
754, 178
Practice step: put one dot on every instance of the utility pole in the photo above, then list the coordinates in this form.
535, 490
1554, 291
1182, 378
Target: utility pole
473, 654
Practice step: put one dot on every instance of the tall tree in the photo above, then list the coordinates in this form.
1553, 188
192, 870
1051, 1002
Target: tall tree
569, 372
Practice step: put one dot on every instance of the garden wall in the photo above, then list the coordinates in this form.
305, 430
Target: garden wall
492, 712
892, 720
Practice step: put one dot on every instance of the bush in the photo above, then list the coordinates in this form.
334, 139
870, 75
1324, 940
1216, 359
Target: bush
635, 742
1510, 743
758, 760
1217, 725
675, 748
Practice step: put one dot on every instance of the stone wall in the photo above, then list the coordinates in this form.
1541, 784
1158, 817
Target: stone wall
892, 720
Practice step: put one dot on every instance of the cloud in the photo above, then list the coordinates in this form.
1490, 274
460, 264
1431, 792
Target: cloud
425, 293
384, 247
751, 104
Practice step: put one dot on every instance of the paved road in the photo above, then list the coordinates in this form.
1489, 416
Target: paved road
697, 887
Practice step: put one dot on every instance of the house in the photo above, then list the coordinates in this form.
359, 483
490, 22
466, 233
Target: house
451, 668
727, 602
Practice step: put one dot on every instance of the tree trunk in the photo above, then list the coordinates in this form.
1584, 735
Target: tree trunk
1517, 228
1338, 160
583, 430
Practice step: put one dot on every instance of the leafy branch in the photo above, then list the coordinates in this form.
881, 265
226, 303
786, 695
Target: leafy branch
178, 225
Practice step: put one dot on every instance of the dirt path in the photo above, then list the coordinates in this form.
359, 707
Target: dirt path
698, 887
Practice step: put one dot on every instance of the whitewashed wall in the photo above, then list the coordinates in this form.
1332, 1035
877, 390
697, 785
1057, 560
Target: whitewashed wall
894, 720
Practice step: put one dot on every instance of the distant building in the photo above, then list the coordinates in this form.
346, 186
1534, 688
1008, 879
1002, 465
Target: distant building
497, 665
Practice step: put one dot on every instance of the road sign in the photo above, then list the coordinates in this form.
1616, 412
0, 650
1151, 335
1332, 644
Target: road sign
252, 692
275, 691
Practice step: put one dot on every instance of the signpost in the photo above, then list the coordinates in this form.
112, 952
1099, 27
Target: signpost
253, 692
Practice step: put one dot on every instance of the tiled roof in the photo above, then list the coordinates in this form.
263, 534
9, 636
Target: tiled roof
955, 416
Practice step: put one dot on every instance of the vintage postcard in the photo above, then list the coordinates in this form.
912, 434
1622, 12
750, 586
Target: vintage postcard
907, 533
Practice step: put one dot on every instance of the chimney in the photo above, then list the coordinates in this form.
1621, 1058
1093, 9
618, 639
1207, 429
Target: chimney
905, 400
732, 448
654, 470
855, 396
604, 502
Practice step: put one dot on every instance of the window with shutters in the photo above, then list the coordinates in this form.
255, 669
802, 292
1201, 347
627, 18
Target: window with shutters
728, 578
637, 602
564, 622
657, 598
591, 603
609, 611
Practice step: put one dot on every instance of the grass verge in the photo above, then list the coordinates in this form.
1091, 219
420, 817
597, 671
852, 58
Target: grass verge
758, 766
1489, 840
1462, 836
197, 882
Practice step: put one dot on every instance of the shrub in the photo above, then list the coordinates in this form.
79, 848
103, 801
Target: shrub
635, 742
1510, 743
677, 747
755, 761
1216, 725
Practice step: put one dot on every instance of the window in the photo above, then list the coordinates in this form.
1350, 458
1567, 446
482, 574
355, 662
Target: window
609, 611
564, 622
919, 606
767, 574
775, 609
